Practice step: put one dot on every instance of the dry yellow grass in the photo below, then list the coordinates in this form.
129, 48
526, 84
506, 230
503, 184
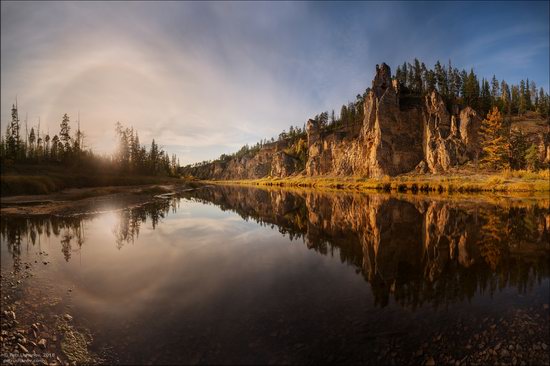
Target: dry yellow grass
506, 181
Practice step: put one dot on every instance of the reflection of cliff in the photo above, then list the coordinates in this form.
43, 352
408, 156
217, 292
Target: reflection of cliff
413, 249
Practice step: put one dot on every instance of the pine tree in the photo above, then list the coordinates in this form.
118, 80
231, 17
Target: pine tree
153, 157
399, 75
55, 148
47, 145
32, 137
457, 83
323, 119
424, 71
494, 89
522, 101
65, 137
78, 139
451, 87
485, 97
514, 99
532, 158
12, 135
528, 104
32, 140
542, 105
410, 77
534, 95
471, 90
494, 141
464, 84
405, 75
505, 98
138, 157
417, 77
518, 149
359, 111
441, 78
344, 118
123, 149
65, 129
430, 81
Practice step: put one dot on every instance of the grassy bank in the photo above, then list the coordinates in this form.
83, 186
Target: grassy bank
506, 181
43, 180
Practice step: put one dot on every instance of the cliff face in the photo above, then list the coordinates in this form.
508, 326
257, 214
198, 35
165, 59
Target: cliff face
398, 134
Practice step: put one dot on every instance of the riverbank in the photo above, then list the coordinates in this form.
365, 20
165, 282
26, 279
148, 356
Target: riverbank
36, 327
46, 179
62, 288
459, 181
77, 201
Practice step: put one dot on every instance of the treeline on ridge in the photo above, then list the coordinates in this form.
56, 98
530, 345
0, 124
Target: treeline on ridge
457, 87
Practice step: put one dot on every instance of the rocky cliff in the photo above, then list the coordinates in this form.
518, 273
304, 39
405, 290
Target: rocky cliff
400, 133
397, 137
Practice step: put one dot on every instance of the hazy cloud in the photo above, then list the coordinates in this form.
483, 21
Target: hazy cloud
205, 78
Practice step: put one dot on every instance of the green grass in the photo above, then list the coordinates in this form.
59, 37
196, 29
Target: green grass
506, 181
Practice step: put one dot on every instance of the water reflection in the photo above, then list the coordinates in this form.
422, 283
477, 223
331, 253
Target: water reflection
25, 232
410, 249
413, 249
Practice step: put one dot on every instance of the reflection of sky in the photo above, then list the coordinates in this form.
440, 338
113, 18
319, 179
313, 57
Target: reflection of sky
193, 258
204, 272
205, 78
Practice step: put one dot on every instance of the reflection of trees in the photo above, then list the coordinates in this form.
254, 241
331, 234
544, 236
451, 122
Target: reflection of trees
18, 232
414, 251
24, 233
127, 228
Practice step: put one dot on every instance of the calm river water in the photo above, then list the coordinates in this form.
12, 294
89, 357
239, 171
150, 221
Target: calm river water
243, 275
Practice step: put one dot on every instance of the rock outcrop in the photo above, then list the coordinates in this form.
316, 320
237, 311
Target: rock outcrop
284, 164
250, 166
391, 137
469, 125
398, 134
443, 147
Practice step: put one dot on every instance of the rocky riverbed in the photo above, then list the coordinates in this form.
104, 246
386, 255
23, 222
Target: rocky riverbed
36, 328
519, 337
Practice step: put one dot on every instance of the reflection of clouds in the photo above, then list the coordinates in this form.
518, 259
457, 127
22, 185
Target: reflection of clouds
417, 251
412, 250
206, 263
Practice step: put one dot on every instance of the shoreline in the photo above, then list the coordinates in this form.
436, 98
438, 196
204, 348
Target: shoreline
82, 201
41, 323
508, 182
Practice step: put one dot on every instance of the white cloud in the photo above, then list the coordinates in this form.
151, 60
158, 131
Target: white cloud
202, 78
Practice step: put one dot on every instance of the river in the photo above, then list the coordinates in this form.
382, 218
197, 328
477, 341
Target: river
232, 274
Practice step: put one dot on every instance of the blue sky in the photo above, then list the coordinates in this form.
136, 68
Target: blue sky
206, 78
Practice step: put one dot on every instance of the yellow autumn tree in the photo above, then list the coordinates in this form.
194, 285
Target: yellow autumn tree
495, 144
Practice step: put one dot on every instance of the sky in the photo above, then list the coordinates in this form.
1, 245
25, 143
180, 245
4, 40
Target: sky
206, 78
